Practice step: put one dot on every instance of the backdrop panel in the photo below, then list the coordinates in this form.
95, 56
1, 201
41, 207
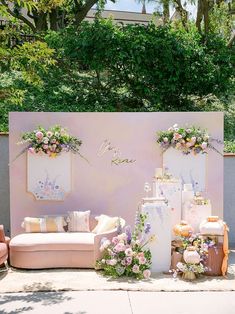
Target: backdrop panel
100, 185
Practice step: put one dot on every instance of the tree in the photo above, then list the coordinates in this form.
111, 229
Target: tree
49, 14
143, 3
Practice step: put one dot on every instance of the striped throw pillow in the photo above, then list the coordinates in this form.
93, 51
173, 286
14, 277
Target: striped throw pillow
44, 224
79, 221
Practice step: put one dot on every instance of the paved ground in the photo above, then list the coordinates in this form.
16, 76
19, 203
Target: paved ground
118, 302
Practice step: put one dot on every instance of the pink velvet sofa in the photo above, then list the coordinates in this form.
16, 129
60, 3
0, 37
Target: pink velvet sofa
3, 246
58, 250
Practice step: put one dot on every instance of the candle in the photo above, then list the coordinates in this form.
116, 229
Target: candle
158, 173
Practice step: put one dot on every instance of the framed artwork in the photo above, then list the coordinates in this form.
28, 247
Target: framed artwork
188, 168
48, 178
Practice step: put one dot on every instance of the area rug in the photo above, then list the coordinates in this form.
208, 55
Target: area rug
83, 279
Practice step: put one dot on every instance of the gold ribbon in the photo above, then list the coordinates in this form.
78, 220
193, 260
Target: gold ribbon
224, 266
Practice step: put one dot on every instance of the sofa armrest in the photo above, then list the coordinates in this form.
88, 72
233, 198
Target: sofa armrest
98, 237
2, 234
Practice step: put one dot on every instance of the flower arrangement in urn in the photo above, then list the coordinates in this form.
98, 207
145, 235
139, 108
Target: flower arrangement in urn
50, 141
194, 250
126, 254
186, 139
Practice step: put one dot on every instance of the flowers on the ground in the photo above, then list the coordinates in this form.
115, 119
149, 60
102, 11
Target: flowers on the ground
195, 268
126, 254
50, 141
190, 139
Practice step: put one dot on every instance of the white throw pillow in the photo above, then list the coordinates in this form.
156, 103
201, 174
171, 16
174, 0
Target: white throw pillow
79, 221
105, 223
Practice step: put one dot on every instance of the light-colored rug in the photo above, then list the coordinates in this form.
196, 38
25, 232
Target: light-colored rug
80, 279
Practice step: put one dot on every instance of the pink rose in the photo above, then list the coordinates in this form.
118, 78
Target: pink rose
39, 135
129, 252
177, 136
136, 269
128, 260
141, 254
146, 273
115, 240
45, 146
112, 262
120, 247
142, 260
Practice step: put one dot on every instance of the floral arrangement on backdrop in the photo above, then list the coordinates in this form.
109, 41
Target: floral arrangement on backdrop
50, 141
126, 254
186, 139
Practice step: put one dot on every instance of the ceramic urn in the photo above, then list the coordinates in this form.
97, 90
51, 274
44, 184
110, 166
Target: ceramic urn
183, 229
191, 256
212, 226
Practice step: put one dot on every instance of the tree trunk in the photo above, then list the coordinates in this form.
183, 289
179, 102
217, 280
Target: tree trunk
81, 11
144, 8
206, 16
40, 20
166, 11
54, 19
199, 15
183, 13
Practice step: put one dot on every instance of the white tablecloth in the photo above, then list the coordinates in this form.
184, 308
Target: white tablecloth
160, 220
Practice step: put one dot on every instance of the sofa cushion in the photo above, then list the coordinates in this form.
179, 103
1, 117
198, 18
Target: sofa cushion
105, 223
78, 221
44, 224
77, 241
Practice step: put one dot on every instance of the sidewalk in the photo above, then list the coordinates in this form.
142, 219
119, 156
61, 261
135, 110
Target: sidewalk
118, 302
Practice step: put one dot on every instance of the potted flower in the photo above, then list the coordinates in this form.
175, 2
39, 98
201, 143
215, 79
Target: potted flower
126, 254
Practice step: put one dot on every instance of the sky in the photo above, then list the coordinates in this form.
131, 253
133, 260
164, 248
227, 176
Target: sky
134, 6
129, 5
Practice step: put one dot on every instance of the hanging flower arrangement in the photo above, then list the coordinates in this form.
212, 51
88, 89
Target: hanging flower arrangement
188, 140
51, 142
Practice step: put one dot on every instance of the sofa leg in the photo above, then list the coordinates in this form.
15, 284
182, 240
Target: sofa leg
5, 268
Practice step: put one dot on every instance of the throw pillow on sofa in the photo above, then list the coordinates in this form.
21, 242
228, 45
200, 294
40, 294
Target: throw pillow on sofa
79, 221
105, 223
44, 224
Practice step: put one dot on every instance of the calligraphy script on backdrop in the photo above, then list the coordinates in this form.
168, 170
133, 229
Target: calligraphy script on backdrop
106, 146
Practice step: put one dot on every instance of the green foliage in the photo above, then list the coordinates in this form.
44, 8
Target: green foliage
105, 67
229, 146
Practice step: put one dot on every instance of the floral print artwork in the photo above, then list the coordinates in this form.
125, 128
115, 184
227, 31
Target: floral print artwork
48, 189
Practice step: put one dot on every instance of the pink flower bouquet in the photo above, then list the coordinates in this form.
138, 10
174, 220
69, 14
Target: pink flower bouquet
126, 254
50, 142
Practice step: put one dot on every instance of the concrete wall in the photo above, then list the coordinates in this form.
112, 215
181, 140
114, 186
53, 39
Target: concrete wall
229, 195
4, 183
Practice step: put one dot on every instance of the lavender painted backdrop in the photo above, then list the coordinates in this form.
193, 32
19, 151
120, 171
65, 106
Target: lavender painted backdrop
103, 186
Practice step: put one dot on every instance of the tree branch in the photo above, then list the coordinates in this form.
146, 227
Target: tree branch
82, 11
231, 40
18, 16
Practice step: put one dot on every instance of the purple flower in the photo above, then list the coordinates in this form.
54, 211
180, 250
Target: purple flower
128, 233
147, 228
